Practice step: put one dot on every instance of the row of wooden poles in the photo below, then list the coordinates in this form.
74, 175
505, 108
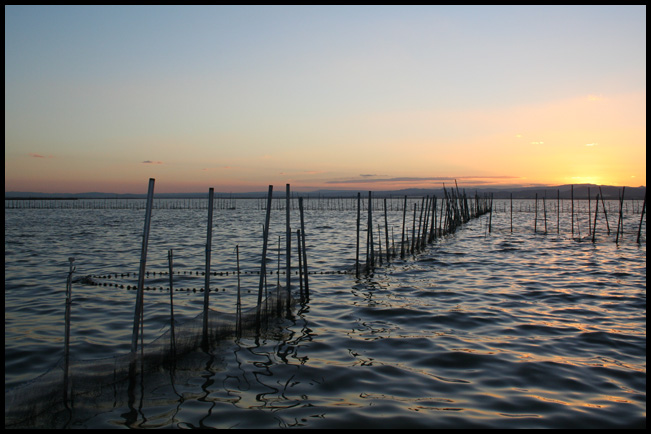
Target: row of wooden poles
592, 222
428, 223
138, 321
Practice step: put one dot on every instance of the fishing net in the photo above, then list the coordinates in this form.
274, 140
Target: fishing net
110, 383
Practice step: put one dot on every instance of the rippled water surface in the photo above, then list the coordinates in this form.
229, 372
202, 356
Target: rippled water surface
486, 327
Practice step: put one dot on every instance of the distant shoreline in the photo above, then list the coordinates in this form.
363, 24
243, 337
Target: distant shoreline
562, 191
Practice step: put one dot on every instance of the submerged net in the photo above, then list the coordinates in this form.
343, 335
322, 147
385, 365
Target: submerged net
109, 383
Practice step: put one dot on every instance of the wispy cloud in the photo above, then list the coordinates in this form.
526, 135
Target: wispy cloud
152, 162
591, 144
476, 179
35, 155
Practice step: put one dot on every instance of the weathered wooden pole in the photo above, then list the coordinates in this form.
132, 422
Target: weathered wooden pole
620, 221
357, 248
143, 265
66, 343
288, 242
206, 292
263, 263
306, 283
511, 212
572, 208
594, 228
603, 206
238, 305
535, 224
404, 217
545, 214
386, 229
371, 258
300, 265
558, 211
170, 265
639, 229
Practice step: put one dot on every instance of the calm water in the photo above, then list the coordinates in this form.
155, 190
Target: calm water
494, 329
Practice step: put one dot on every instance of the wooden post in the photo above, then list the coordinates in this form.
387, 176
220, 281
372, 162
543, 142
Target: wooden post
639, 229
371, 258
357, 249
141, 273
511, 212
404, 216
170, 259
263, 263
620, 222
386, 230
288, 242
558, 211
300, 264
594, 228
603, 206
535, 224
206, 292
572, 209
238, 306
545, 214
307, 286
66, 345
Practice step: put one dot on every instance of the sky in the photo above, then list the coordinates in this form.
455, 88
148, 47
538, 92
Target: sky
102, 98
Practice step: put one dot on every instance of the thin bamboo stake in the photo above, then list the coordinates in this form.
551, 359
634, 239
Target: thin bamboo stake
170, 260
66, 344
386, 229
238, 306
620, 222
404, 217
206, 292
370, 259
639, 229
263, 263
300, 264
307, 286
572, 212
357, 248
545, 214
603, 206
511, 212
536, 217
288, 242
594, 227
141, 273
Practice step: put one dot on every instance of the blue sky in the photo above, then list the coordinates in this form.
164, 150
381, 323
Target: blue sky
102, 98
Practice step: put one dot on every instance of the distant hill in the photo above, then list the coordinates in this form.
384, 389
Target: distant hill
580, 191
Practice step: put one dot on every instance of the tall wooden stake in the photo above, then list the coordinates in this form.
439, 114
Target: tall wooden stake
143, 265
206, 293
263, 263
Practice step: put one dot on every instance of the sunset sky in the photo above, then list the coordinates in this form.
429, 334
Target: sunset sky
102, 98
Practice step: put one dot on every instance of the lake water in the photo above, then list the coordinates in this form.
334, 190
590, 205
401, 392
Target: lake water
488, 327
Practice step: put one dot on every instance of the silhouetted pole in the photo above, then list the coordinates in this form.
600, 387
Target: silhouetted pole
288, 241
263, 263
404, 217
358, 222
639, 229
206, 293
170, 265
307, 285
66, 344
143, 265
386, 229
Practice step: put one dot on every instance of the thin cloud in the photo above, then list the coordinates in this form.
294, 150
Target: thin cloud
35, 155
152, 162
591, 144
418, 179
